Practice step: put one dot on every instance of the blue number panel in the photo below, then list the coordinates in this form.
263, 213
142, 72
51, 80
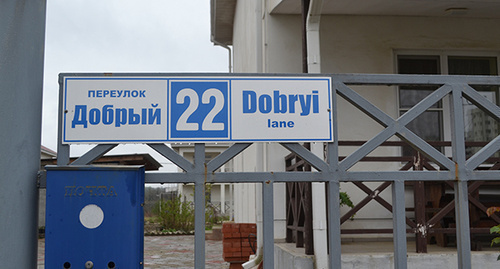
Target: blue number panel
199, 109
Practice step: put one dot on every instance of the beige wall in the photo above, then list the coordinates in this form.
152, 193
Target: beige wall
357, 44
244, 37
365, 44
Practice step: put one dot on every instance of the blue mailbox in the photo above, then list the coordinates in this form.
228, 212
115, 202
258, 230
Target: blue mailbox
94, 217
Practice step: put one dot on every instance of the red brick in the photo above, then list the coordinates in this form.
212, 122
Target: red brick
231, 249
236, 249
227, 227
248, 225
247, 230
237, 254
233, 241
231, 255
231, 235
235, 259
247, 234
236, 265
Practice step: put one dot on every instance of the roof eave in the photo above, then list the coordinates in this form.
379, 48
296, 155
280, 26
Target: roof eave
222, 19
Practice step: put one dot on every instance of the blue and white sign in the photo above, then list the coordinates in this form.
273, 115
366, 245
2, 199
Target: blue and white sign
149, 109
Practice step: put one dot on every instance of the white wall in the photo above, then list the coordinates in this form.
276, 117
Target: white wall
245, 37
356, 44
351, 44
365, 44
244, 193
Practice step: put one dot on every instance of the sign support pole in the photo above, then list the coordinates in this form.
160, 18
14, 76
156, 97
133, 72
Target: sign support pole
22, 31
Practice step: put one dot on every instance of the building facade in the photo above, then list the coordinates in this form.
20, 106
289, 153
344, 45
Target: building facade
370, 37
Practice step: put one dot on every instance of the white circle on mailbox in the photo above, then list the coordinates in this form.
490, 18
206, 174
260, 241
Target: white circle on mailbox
91, 216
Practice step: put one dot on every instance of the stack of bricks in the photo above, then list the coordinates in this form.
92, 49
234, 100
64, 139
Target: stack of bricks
236, 238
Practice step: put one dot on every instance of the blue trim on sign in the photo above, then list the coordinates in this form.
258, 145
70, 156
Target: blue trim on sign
230, 120
64, 109
168, 108
168, 80
330, 115
200, 141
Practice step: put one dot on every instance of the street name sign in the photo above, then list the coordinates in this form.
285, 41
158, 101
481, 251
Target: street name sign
194, 108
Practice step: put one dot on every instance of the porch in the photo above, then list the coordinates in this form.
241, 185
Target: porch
380, 254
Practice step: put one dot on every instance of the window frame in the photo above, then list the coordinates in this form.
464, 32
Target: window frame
443, 69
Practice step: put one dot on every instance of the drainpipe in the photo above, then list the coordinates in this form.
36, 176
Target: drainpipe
312, 35
319, 216
261, 150
217, 43
318, 189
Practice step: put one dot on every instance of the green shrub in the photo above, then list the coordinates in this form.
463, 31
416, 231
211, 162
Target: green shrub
494, 229
175, 214
345, 200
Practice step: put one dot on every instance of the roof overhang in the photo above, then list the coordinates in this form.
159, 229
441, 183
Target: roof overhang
222, 11
145, 159
427, 8
222, 18
47, 151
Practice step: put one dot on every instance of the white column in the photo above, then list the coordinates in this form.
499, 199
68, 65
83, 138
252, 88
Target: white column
223, 198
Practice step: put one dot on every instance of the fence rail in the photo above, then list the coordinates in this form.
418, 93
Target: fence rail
334, 170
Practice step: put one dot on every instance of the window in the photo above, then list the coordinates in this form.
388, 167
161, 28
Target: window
478, 125
430, 125
410, 96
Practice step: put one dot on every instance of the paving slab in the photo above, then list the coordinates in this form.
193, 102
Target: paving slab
168, 252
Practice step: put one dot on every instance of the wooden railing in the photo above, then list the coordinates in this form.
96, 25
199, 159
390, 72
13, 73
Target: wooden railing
434, 205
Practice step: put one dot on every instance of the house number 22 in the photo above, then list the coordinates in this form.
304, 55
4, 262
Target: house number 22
208, 123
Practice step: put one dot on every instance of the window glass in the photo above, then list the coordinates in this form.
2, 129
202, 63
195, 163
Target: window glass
478, 125
428, 125
410, 96
420, 126
421, 65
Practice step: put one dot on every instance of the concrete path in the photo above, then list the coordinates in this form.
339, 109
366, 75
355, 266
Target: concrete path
168, 252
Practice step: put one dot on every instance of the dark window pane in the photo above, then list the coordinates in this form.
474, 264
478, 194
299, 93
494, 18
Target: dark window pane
478, 125
427, 125
410, 96
465, 65
421, 65
420, 126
